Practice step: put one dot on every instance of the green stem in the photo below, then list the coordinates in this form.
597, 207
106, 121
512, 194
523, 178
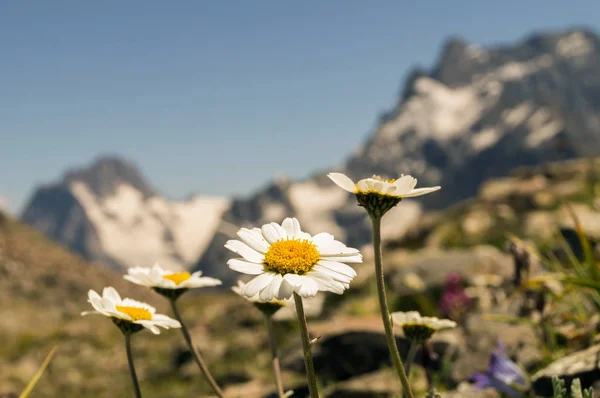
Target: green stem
134, 379
276, 367
410, 358
306, 345
196, 352
385, 313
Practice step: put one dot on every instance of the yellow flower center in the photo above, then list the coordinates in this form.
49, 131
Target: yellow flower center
178, 277
291, 256
136, 314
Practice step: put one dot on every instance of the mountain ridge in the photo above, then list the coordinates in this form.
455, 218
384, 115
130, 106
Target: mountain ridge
477, 113
109, 213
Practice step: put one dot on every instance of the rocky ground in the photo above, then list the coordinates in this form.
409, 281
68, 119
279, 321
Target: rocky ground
43, 290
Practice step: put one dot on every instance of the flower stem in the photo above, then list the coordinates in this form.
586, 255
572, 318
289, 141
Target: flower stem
306, 344
134, 379
273, 345
385, 313
196, 352
410, 358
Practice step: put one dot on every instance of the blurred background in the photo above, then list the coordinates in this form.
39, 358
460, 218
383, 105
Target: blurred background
142, 132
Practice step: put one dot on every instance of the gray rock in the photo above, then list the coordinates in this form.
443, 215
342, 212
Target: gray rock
354, 349
584, 365
432, 266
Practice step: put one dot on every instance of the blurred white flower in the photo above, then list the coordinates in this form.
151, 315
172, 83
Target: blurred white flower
414, 282
403, 187
417, 327
157, 277
128, 311
286, 260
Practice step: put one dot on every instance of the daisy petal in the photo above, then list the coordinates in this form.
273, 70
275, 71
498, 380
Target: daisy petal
349, 258
254, 239
327, 284
308, 288
244, 266
322, 239
111, 294
338, 267
333, 274
293, 279
420, 191
404, 185
258, 284
285, 290
244, 250
291, 227
273, 232
272, 290
343, 181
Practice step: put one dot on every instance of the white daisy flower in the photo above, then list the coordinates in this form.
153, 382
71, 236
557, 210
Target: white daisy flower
378, 195
286, 260
157, 277
403, 187
417, 327
127, 313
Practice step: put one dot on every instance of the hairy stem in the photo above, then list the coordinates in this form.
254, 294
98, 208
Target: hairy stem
196, 352
276, 367
385, 313
410, 358
308, 361
134, 379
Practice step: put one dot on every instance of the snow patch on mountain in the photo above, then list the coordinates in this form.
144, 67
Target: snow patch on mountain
485, 138
519, 70
440, 112
136, 231
574, 45
515, 116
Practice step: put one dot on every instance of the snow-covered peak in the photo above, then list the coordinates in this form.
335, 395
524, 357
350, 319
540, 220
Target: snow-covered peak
573, 45
107, 173
108, 213
137, 231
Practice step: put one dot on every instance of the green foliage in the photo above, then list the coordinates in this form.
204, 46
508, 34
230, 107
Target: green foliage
560, 391
558, 387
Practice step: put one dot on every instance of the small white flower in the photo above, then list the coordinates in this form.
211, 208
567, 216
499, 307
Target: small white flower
414, 282
286, 260
403, 187
129, 310
417, 327
157, 277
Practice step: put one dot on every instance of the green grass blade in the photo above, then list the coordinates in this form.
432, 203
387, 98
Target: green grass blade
590, 256
38, 374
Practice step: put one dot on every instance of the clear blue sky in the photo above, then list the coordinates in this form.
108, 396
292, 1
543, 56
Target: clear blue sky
217, 97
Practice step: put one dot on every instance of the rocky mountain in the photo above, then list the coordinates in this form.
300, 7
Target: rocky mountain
109, 213
479, 113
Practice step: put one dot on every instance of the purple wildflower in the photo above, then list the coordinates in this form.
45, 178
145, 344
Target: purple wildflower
502, 374
454, 301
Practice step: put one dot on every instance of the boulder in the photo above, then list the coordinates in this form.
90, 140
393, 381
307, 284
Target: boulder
433, 266
583, 365
349, 347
